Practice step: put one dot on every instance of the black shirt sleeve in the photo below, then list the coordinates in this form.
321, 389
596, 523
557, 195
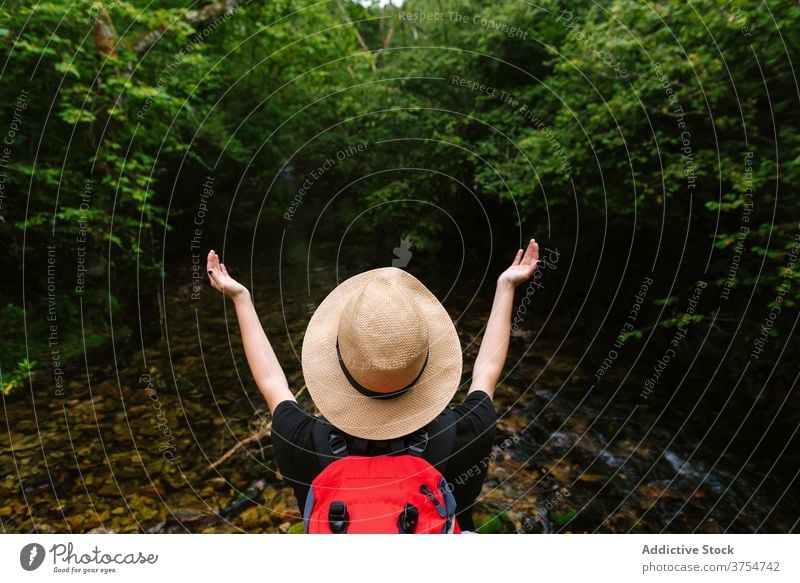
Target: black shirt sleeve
466, 468
293, 447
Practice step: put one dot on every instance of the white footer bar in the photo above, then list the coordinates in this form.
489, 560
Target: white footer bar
389, 558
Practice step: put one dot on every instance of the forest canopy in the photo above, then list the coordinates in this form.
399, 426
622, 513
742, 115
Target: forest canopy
652, 127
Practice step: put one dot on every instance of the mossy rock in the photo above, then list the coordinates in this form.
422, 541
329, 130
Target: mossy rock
560, 518
488, 522
296, 528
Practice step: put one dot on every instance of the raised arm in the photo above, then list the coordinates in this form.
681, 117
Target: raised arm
494, 347
264, 366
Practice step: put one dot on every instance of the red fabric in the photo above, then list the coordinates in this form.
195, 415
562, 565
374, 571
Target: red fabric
375, 490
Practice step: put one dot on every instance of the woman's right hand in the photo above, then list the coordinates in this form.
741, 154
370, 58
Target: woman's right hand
221, 280
524, 265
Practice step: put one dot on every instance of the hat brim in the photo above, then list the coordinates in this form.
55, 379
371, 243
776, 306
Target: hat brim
367, 417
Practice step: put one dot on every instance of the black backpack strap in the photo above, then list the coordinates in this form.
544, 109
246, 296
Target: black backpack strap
397, 445
329, 444
434, 442
359, 446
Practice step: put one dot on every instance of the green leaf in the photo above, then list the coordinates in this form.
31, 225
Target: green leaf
68, 68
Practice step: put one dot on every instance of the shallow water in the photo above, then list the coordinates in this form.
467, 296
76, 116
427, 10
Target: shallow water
131, 448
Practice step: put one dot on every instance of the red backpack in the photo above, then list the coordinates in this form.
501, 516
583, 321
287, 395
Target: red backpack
393, 486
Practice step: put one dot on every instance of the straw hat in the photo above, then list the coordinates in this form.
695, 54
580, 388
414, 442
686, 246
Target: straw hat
381, 357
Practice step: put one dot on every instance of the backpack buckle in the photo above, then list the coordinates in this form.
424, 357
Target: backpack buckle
418, 442
338, 519
407, 521
337, 443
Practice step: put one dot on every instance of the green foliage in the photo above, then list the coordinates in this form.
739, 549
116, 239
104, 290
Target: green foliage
17, 377
549, 110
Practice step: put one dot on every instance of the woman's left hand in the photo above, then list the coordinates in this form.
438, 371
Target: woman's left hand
220, 279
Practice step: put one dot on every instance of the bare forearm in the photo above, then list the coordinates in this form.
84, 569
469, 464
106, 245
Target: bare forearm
494, 346
264, 365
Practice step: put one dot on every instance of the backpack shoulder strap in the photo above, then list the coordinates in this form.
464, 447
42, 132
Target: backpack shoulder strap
434, 442
329, 444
